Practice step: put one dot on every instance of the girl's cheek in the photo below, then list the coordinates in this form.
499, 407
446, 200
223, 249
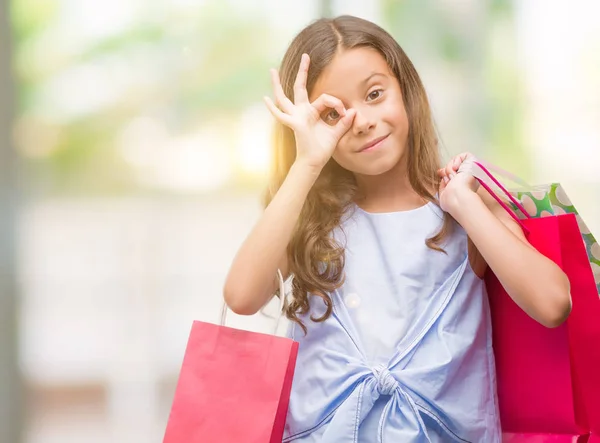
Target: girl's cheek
343, 140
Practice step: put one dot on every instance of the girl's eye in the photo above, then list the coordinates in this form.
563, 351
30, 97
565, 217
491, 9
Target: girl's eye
374, 95
331, 116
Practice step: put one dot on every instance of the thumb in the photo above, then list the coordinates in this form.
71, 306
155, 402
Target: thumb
443, 183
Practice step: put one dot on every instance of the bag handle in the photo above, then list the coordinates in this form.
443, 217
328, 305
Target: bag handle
506, 174
511, 197
498, 199
281, 304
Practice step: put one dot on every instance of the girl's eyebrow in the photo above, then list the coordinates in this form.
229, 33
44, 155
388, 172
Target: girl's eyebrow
374, 74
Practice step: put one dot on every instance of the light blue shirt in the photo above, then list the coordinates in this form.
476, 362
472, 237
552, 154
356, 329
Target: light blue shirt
407, 354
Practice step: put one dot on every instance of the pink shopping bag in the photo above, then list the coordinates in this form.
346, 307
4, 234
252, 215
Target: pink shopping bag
549, 379
234, 386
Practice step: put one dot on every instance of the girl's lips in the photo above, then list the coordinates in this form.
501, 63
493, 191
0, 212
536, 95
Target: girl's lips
372, 145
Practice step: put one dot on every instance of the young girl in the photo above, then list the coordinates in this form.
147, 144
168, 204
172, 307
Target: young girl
387, 251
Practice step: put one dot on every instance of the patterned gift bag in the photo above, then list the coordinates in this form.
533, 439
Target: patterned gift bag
546, 200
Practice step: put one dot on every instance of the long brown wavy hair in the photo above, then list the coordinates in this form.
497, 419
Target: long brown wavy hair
315, 259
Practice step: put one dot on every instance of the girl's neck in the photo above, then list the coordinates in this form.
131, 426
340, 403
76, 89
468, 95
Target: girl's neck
387, 192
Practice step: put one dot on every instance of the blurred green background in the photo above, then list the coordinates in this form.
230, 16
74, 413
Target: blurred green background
110, 94
135, 146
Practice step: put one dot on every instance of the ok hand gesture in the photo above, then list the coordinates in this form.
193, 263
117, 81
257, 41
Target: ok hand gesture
317, 126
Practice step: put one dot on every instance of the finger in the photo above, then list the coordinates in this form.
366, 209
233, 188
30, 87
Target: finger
345, 123
329, 101
466, 165
456, 163
460, 159
443, 183
277, 113
450, 172
300, 93
280, 98
441, 172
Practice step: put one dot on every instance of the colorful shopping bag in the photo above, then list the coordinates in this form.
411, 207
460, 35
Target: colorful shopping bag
548, 383
548, 200
234, 386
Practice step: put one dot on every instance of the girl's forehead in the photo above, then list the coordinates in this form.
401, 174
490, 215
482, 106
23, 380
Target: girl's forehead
350, 71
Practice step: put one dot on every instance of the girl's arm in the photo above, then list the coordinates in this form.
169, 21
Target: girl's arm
534, 282
252, 280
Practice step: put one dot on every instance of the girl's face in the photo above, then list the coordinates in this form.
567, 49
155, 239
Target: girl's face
361, 79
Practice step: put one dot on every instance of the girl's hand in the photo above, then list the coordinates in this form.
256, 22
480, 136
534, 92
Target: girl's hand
455, 184
317, 126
